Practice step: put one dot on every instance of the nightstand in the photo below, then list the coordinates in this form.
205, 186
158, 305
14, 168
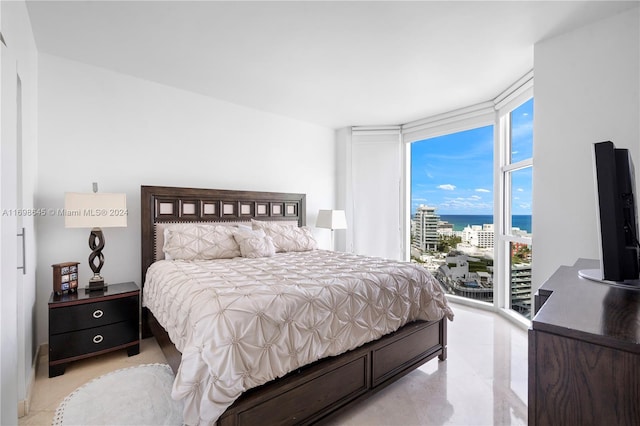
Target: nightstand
85, 324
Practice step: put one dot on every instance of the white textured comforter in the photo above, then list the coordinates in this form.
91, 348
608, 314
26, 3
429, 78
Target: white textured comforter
242, 322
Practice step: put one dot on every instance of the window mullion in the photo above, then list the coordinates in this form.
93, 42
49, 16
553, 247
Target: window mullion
518, 166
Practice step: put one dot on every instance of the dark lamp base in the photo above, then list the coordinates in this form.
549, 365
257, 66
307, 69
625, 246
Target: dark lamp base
96, 285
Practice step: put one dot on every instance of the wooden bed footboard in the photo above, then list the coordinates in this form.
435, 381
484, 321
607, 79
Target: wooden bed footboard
321, 390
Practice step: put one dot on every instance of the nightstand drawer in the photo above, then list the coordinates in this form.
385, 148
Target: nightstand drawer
76, 343
89, 315
86, 324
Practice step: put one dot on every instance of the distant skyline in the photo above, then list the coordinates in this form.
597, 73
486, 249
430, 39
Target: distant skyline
454, 172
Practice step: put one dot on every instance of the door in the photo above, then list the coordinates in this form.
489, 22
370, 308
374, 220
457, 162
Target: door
8, 239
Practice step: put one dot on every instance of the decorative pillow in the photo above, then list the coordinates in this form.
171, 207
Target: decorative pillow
190, 241
287, 237
254, 243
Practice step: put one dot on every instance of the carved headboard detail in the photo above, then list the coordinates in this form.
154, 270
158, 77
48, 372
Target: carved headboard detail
165, 204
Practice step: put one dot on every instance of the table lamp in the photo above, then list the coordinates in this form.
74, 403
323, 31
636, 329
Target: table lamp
331, 219
96, 211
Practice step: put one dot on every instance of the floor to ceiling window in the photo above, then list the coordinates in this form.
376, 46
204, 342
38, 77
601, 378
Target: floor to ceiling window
470, 202
516, 174
452, 210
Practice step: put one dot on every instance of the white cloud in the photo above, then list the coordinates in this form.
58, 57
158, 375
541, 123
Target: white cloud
482, 190
475, 197
447, 187
520, 190
466, 205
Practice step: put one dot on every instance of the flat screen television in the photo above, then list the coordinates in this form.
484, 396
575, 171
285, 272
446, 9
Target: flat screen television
617, 216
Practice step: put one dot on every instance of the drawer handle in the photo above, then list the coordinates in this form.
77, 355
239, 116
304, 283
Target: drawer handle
98, 338
97, 314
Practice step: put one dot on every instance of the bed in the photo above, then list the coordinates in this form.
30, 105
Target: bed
305, 382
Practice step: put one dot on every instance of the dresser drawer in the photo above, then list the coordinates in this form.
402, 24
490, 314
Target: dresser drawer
89, 315
77, 343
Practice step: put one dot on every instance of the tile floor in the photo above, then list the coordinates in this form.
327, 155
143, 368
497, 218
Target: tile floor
49, 392
483, 381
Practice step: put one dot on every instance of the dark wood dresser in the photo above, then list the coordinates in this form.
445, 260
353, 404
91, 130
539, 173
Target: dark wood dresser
584, 352
84, 324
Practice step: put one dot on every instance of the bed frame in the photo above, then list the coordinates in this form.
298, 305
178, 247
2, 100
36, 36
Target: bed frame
317, 391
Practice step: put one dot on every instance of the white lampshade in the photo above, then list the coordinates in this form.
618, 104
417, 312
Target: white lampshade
331, 219
95, 210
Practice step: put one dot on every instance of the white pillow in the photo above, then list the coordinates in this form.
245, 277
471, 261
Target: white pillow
188, 241
254, 244
287, 237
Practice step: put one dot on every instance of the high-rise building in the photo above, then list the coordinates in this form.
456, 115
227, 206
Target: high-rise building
445, 229
479, 236
521, 288
426, 228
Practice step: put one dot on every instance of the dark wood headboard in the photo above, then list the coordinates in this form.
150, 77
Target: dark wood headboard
165, 204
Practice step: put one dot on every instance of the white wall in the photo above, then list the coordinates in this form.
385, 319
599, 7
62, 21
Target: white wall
16, 29
122, 132
587, 85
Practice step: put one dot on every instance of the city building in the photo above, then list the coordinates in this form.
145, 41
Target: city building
445, 229
479, 236
521, 288
425, 237
456, 278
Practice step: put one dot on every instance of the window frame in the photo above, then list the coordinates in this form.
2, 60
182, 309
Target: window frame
504, 169
496, 113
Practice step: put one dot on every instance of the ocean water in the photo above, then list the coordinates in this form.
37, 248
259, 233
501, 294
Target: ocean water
459, 221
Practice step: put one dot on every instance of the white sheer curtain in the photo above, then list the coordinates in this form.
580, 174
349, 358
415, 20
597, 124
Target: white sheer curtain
376, 169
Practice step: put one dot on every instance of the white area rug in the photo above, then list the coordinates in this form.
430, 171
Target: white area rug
139, 395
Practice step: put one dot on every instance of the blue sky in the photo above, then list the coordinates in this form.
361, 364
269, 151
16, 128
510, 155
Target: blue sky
455, 172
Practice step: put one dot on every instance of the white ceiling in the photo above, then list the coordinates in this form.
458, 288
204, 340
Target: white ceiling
331, 63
